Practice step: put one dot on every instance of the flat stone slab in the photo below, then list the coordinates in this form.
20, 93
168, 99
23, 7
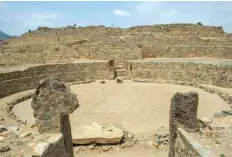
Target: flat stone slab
228, 112
205, 120
95, 133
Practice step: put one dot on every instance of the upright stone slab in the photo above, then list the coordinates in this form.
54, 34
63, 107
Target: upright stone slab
111, 70
52, 103
183, 113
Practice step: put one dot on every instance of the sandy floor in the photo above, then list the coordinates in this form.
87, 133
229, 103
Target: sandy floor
140, 107
130, 152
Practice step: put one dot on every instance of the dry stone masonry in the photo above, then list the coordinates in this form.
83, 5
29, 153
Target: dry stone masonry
159, 52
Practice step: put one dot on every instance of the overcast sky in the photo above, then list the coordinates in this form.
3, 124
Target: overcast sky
18, 17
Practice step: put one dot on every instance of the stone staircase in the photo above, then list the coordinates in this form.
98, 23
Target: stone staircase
120, 69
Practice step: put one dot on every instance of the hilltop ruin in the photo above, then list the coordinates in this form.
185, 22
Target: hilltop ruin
107, 66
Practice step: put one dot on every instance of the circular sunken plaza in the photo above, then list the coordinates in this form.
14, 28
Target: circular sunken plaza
153, 62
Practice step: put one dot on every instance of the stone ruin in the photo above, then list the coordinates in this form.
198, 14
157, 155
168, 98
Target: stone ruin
183, 119
52, 103
183, 112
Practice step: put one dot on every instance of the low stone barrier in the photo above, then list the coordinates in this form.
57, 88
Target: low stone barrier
17, 79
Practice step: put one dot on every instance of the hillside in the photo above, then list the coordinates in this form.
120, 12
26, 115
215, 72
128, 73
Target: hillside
46, 45
4, 36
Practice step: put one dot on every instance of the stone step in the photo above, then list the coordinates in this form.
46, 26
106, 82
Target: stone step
120, 66
120, 70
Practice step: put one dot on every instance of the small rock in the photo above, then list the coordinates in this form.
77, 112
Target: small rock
25, 134
91, 147
77, 149
105, 148
102, 82
31, 144
33, 125
2, 129
219, 115
150, 143
205, 120
130, 135
123, 145
156, 144
17, 143
4, 149
6, 133
166, 138
119, 80
13, 128
117, 148
2, 139
217, 127
228, 112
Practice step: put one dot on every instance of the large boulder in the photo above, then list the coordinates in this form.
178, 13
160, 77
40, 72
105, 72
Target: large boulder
95, 133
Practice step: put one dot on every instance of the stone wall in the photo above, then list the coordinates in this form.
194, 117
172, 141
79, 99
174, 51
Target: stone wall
188, 147
18, 79
186, 51
172, 41
192, 71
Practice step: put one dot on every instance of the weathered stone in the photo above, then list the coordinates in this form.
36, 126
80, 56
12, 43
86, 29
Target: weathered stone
2, 139
13, 128
4, 148
91, 147
40, 148
111, 72
105, 148
2, 129
102, 82
187, 146
52, 100
205, 121
228, 112
183, 113
95, 133
6, 133
217, 127
219, 115
119, 80
26, 134
52, 103
31, 144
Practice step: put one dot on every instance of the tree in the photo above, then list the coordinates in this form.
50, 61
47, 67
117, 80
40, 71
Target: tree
74, 25
199, 23
29, 30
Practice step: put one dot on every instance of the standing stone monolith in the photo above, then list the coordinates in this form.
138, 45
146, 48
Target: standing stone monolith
52, 103
183, 113
111, 70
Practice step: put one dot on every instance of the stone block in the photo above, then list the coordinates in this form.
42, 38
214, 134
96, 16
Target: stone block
95, 133
205, 121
